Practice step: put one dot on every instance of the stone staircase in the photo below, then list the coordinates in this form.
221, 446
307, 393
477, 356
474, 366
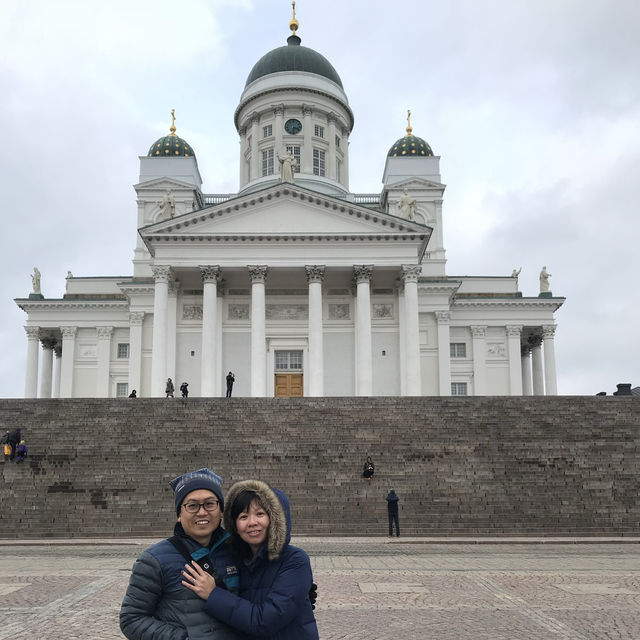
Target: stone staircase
461, 466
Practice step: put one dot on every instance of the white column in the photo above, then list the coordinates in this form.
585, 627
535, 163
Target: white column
315, 274
104, 361
402, 356
479, 345
515, 366
525, 359
161, 275
31, 380
550, 380
255, 160
47, 366
278, 112
306, 153
68, 356
172, 330
331, 165
364, 363
209, 358
258, 275
444, 352
410, 275
536, 365
136, 318
56, 384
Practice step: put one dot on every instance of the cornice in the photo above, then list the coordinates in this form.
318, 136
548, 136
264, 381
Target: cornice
552, 303
34, 305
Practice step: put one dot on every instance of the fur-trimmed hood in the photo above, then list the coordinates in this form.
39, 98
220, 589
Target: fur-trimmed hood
276, 505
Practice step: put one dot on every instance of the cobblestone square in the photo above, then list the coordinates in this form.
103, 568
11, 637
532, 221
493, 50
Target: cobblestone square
371, 588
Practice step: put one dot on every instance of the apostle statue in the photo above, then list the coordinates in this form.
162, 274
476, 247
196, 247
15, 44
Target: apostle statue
544, 280
514, 274
287, 167
35, 280
167, 206
407, 206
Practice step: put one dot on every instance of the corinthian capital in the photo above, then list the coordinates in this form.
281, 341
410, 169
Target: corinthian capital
161, 273
411, 272
548, 330
443, 317
257, 272
210, 273
136, 318
315, 272
362, 272
479, 331
104, 333
68, 332
514, 330
33, 333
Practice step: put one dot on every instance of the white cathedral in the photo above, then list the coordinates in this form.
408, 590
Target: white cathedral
294, 283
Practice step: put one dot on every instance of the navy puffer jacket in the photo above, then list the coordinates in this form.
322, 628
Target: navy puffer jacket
274, 589
158, 607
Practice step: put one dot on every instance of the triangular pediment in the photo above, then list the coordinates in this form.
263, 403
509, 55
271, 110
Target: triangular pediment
280, 211
163, 184
415, 183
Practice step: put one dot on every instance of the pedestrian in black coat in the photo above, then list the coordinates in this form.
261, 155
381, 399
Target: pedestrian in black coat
392, 510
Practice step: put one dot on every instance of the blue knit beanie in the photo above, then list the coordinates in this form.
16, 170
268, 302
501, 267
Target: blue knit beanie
200, 479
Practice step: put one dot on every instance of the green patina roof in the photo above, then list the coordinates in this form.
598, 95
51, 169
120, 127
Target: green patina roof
293, 57
410, 145
171, 146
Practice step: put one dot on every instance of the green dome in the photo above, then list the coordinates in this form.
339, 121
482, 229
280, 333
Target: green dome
410, 145
171, 146
293, 57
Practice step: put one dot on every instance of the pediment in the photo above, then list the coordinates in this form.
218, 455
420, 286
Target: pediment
163, 184
284, 210
415, 183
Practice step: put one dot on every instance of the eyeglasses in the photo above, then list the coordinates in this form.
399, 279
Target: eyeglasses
194, 507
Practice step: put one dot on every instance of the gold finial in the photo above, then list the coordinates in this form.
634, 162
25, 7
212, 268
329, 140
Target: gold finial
293, 23
409, 129
172, 128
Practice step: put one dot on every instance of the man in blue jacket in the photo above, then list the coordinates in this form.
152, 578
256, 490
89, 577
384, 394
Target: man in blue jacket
156, 606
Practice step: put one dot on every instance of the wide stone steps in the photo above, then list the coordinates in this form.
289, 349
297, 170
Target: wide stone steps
466, 466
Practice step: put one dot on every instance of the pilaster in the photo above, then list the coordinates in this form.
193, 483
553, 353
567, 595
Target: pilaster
443, 319
315, 275
479, 345
135, 351
409, 276
515, 365
258, 275
68, 356
104, 361
364, 355
162, 274
209, 369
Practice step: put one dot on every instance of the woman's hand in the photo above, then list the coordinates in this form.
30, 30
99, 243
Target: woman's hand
198, 580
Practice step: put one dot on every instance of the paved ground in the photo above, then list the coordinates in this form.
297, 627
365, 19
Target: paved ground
373, 588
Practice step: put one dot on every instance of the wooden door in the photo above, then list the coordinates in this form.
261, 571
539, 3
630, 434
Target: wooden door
288, 385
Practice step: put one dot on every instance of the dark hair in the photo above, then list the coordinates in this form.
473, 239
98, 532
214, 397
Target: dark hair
241, 505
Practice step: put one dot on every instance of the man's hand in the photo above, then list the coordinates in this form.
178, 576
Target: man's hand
198, 580
313, 595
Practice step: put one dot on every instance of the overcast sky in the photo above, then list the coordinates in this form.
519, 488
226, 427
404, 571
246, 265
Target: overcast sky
534, 108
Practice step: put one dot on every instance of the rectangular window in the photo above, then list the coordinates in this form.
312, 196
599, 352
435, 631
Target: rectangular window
458, 388
122, 389
294, 150
267, 162
288, 360
267, 131
123, 350
318, 162
338, 142
458, 350
338, 166
319, 131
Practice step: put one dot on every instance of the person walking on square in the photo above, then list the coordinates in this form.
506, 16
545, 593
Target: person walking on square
392, 511
169, 388
156, 606
230, 380
184, 388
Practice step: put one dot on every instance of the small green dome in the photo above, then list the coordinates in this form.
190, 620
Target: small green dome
410, 145
171, 146
293, 57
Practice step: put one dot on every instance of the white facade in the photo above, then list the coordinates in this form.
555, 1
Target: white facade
301, 284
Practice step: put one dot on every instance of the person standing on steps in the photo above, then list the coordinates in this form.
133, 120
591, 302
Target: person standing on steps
156, 606
230, 380
21, 451
169, 388
184, 389
369, 468
392, 511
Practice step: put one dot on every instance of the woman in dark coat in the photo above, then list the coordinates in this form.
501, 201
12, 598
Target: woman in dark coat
275, 577
368, 470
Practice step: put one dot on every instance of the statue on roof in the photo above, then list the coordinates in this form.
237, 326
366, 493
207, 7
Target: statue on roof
544, 280
167, 206
35, 280
514, 274
407, 206
287, 167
